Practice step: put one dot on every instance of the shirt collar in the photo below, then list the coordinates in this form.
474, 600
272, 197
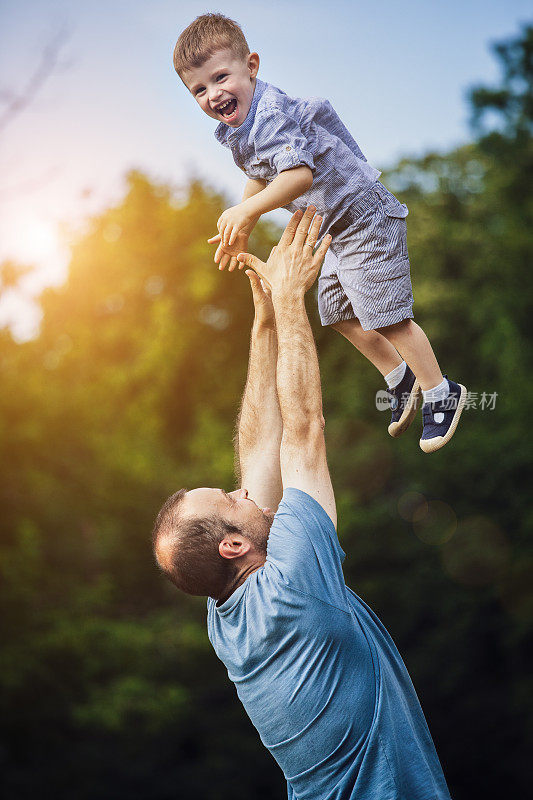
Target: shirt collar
228, 136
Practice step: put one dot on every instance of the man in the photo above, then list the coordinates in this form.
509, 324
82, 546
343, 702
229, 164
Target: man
315, 669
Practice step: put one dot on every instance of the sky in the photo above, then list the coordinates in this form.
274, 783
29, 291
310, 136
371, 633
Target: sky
396, 72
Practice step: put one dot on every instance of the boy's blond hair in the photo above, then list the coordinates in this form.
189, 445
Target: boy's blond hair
203, 37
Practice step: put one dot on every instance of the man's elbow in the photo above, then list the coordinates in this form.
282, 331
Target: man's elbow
305, 432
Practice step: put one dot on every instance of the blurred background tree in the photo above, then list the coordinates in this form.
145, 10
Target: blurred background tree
109, 685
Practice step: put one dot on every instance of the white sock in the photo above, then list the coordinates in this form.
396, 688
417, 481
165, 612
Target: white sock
395, 376
438, 393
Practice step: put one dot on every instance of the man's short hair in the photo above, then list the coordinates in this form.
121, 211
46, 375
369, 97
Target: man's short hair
194, 563
204, 37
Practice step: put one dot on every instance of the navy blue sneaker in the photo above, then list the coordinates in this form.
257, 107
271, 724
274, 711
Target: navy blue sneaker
404, 402
440, 419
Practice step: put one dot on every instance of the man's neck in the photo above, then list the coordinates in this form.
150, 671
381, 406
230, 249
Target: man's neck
240, 577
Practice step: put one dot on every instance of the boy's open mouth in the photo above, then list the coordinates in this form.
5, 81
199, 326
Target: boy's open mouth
228, 110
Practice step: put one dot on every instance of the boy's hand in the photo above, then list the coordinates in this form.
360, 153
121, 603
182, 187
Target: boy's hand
226, 255
233, 221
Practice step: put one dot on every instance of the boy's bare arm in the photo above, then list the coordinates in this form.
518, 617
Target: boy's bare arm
252, 187
285, 188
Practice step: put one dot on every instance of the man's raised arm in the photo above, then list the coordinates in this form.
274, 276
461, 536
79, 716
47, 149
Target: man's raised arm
258, 435
290, 272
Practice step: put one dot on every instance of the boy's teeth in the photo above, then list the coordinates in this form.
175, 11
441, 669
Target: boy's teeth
225, 106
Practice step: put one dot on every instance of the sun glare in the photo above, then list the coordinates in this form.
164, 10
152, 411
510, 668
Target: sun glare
29, 238
35, 240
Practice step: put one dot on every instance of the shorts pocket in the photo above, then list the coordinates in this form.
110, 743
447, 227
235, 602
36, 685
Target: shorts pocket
388, 271
388, 287
395, 227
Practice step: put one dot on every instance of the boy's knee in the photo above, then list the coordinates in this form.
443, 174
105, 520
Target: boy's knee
398, 329
338, 326
347, 325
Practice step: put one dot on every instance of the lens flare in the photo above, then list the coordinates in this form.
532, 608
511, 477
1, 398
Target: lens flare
437, 525
478, 554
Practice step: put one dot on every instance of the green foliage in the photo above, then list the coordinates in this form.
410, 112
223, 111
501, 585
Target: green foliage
512, 100
109, 686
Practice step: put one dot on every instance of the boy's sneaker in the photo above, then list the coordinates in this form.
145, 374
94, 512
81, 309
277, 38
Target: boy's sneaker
404, 403
440, 419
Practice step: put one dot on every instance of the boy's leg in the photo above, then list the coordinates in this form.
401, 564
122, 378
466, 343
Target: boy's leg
444, 399
379, 351
413, 345
337, 303
404, 389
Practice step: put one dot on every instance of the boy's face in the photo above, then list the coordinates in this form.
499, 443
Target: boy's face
224, 86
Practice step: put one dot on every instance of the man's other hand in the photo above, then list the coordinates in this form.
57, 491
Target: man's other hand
292, 266
264, 310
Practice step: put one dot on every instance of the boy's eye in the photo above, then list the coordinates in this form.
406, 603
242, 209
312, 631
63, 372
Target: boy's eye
223, 75
199, 91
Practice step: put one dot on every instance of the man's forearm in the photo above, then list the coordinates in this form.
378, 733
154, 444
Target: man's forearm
285, 188
298, 374
290, 271
259, 425
303, 461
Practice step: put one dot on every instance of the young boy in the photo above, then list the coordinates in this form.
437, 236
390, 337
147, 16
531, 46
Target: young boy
297, 153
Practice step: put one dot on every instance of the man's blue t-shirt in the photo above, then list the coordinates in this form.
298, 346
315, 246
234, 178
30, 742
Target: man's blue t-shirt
318, 674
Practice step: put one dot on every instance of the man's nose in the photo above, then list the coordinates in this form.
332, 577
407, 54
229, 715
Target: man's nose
240, 494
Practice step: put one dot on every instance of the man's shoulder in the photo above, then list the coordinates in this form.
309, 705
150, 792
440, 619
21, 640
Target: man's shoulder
306, 520
304, 549
300, 501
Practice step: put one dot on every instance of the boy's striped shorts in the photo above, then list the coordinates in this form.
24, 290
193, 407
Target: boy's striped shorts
366, 270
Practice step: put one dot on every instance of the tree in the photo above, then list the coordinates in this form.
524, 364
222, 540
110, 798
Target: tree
512, 101
130, 391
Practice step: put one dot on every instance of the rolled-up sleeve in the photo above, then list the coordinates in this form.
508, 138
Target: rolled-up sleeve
280, 141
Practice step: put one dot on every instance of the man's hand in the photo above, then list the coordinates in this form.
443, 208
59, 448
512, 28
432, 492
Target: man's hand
292, 266
235, 220
264, 310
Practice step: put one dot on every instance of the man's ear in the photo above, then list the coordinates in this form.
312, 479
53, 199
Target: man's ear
233, 546
253, 64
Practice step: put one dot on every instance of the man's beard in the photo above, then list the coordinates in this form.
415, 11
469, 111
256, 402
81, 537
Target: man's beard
259, 534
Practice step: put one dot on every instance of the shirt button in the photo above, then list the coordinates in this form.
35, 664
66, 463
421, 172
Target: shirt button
288, 147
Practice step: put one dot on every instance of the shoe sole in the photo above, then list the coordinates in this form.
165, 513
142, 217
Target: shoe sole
409, 413
430, 445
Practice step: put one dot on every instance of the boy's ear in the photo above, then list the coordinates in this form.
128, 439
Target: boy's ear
253, 64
